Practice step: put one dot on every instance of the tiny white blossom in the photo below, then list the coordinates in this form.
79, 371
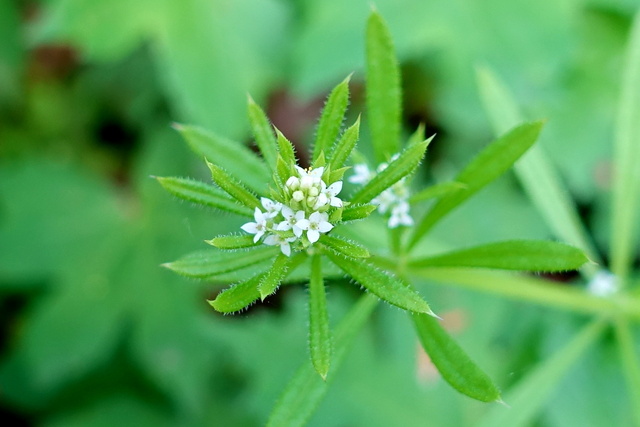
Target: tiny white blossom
400, 215
317, 223
331, 192
258, 227
362, 174
291, 221
284, 242
293, 182
272, 208
385, 201
603, 284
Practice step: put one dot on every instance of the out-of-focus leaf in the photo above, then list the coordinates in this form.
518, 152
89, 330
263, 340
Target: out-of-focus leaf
305, 391
525, 255
383, 89
382, 284
527, 397
492, 162
404, 165
11, 51
631, 364
331, 119
455, 366
534, 169
626, 178
320, 340
203, 194
437, 190
232, 156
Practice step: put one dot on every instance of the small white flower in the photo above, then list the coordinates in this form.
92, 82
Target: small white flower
361, 175
603, 284
285, 243
310, 178
293, 183
259, 226
400, 215
272, 208
317, 223
292, 221
385, 201
331, 192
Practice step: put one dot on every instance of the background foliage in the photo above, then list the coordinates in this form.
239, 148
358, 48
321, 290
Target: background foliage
94, 333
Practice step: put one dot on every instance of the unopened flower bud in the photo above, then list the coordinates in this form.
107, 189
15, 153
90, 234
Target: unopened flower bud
298, 196
313, 191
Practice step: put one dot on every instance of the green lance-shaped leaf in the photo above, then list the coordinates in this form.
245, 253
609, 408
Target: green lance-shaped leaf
233, 156
320, 344
263, 133
528, 396
383, 89
627, 347
382, 284
437, 190
455, 366
404, 165
203, 194
345, 145
236, 190
418, 135
492, 162
233, 241
211, 263
331, 118
356, 212
238, 296
523, 255
286, 159
275, 275
535, 170
344, 247
626, 154
306, 389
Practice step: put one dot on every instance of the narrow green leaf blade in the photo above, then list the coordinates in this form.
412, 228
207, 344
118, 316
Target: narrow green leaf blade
630, 363
404, 165
536, 172
356, 212
232, 241
320, 344
492, 162
275, 275
345, 145
211, 263
382, 284
455, 366
238, 296
203, 194
344, 247
626, 153
231, 185
523, 255
437, 190
263, 133
233, 156
383, 89
331, 118
528, 396
305, 391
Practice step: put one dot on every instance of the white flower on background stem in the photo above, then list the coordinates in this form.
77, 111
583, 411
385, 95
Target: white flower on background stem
259, 226
385, 201
603, 284
292, 221
272, 208
361, 175
400, 215
317, 223
284, 242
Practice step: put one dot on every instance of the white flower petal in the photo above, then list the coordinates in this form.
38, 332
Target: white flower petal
336, 202
297, 230
257, 237
325, 227
287, 212
299, 215
272, 240
394, 221
286, 248
313, 236
315, 217
317, 172
284, 226
335, 188
303, 224
250, 227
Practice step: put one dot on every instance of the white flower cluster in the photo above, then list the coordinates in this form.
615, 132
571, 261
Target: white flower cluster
300, 220
603, 284
394, 199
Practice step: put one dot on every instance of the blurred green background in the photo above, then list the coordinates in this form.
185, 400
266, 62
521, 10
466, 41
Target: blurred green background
93, 332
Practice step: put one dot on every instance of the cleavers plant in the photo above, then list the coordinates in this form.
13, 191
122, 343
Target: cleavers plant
298, 220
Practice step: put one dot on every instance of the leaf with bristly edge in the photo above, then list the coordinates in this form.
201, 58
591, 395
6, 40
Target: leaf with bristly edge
233, 241
263, 133
344, 247
233, 187
320, 344
342, 149
331, 118
275, 275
